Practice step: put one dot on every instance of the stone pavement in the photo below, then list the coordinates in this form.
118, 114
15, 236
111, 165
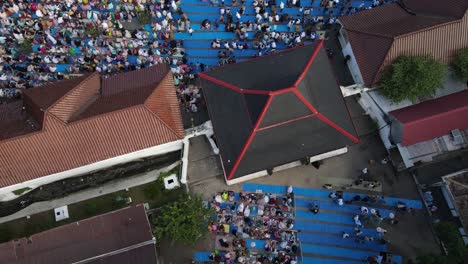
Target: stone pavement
107, 188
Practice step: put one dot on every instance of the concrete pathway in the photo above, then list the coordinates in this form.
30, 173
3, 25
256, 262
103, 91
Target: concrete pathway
107, 188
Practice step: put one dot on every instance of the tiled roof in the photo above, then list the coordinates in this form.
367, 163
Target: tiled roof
101, 131
380, 35
127, 230
433, 118
15, 122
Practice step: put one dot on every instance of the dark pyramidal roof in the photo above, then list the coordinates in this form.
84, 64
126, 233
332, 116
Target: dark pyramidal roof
276, 109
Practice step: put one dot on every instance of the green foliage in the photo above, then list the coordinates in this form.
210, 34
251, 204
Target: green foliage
411, 78
457, 251
21, 191
460, 64
144, 18
184, 220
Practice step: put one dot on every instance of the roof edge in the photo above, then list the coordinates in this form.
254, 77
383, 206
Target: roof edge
412, 122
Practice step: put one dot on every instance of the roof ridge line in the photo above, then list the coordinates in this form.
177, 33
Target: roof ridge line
371, 34
71, 90
160, 119
324, 118
250, 137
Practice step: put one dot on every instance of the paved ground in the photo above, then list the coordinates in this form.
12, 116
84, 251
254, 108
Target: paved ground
107, 188
411, 237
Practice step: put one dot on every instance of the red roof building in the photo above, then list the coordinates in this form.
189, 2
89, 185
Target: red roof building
122, 236
74, 123
430, 119
375, 38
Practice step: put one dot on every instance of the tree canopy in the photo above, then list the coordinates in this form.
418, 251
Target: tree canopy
185, 220
456, 249
460, 64
411, 78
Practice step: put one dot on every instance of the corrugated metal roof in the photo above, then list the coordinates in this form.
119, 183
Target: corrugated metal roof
85, 239
394, 31
63, 144
433, 118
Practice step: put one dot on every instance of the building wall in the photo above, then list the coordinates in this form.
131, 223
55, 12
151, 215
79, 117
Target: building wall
6, 192
286, 166
352, 63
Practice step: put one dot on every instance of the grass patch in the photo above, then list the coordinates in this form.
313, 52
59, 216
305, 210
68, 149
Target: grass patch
100, 205
21, 191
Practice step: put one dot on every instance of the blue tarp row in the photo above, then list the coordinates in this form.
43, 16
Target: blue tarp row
331, 228
314, 193
340, 241
336, 251
315, 260
201, 256
333, 206
325, 217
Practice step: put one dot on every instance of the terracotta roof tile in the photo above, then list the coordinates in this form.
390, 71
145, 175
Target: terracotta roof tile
380, 35
15, 122
103, 134
164, 103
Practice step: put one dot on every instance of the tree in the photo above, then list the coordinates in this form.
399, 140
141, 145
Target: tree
456, 249
412, 78
184, 220
460, 64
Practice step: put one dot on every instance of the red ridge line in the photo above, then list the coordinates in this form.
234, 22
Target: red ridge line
304, 101
286, 122
324, 119
250, 138
231, 86
284, 90
338, 128
309, 63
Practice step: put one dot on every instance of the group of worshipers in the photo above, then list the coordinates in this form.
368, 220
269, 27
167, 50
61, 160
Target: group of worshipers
244, 219
47, 40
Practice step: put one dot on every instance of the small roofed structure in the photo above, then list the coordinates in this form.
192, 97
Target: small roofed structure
122, 236
275, 110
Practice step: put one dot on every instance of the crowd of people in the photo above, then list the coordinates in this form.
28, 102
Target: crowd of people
43, 41
244, 218
48, 40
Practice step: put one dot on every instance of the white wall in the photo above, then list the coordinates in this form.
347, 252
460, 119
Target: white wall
6, 192
286, 166
352, 63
